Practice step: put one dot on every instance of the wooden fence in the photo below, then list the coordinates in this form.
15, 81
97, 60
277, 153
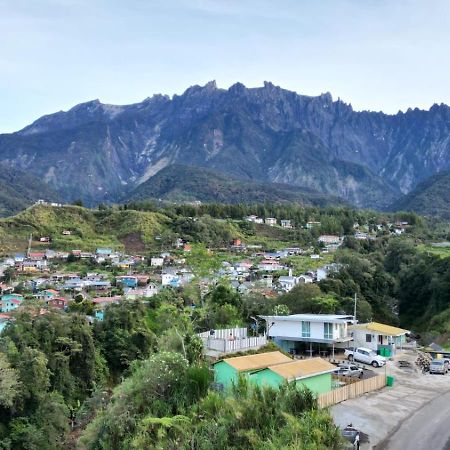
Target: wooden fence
352, 390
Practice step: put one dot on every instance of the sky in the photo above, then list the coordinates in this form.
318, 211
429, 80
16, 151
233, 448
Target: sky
375, 54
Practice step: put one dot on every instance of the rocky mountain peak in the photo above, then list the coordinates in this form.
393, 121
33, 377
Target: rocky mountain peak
97, 151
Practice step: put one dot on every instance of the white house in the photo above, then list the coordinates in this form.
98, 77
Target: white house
271, 221
254, 219
310, 225
285, 223
167, 277
329, 239
269, 265
157, 262
298, 332
148, 291
287, 283
305, 278
324, 271
376, 336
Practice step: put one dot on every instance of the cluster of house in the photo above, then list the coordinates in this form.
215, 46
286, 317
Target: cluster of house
318, 336
57, 289
39, 261
256, 271
361, 231
271, 221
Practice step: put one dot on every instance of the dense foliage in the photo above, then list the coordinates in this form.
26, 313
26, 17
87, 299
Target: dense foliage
56, 372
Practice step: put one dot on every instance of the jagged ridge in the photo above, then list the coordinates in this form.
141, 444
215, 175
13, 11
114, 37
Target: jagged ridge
101, 152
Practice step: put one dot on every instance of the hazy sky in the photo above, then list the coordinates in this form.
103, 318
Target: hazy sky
378, 55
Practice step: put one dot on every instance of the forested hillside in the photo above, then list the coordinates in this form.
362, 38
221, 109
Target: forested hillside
430, 198
137, 378
178, 183
18, 190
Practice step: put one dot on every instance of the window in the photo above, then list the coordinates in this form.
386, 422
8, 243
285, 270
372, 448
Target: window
328, 330
368, 338
306, 329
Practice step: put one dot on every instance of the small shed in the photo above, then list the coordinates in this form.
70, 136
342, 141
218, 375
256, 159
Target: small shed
226, 371
312, 373
377, 336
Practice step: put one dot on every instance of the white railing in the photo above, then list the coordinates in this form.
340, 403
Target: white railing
225, 333
235, 345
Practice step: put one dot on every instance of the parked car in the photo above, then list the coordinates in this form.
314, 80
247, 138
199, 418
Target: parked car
351, 436
366, 356
439, 366
347, 369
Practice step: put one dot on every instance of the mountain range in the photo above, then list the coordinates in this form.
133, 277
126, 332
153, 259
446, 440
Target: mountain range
102, 153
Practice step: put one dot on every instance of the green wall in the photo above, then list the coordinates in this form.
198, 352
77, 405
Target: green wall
266, 377
225, 374
317, 384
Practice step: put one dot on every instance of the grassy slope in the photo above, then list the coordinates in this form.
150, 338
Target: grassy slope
90, 229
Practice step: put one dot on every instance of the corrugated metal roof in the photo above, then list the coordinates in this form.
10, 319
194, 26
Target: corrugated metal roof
303, 368
379, 328
336, 318
258, 361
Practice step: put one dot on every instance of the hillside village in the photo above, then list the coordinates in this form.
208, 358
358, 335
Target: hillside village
109, 275
268, 300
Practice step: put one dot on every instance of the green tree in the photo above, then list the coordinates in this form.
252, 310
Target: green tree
124, 335
9, 382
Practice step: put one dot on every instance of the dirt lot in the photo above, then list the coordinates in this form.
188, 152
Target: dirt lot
381, 414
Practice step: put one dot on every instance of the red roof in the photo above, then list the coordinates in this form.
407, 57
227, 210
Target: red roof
51, 290
36, 255
15, 301
58, 299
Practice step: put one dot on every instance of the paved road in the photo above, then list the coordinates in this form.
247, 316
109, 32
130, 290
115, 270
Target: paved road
382, 415
428, 428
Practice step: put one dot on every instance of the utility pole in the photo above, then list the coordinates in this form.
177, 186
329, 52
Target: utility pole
354, 311
29, 244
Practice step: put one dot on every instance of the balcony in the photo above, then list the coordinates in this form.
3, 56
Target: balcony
230, 340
